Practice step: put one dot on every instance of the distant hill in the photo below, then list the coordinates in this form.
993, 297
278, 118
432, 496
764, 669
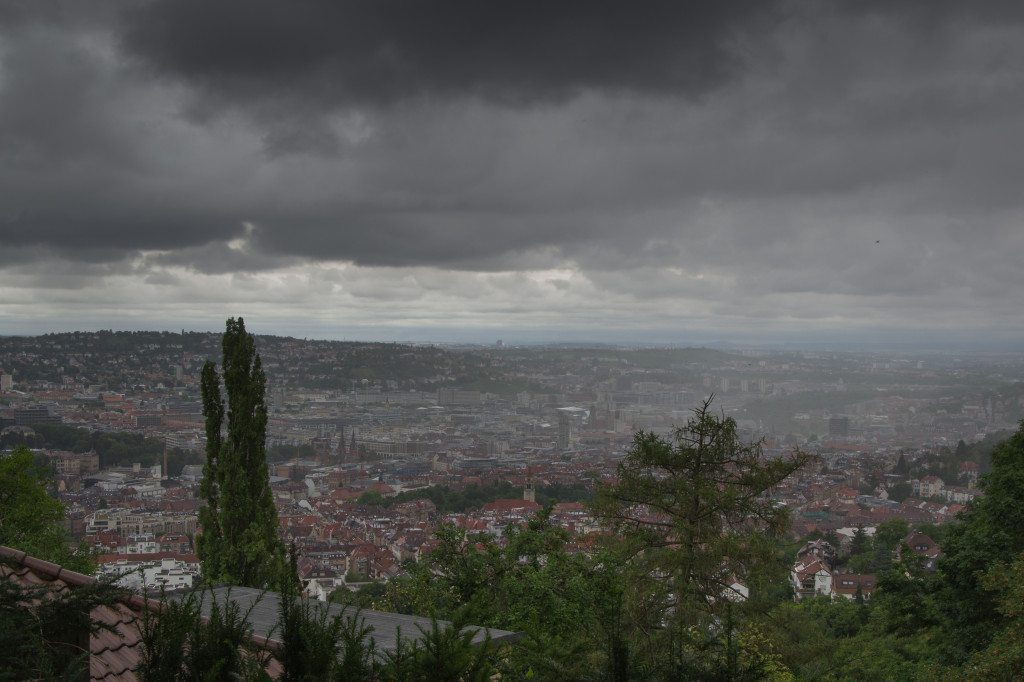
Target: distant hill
115, 361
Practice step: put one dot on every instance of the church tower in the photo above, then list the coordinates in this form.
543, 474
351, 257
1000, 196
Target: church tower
529, 494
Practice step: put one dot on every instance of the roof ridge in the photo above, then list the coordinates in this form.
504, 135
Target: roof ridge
46, 569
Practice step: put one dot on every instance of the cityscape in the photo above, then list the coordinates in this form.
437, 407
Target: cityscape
351, 424
585, 341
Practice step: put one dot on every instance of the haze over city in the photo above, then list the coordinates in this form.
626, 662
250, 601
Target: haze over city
758, 173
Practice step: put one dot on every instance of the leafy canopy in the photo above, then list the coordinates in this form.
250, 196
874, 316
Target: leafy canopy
30, 518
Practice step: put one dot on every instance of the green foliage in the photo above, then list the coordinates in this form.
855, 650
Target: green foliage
528, 583
315, 646
693, 512
221, 647
354, 576
904, 596
179, 645
239, 542
552, 494
372, 498
860, 542
366, 597
282, 453
444, 654
875, 554
30, 519
26, 509
1003, 658
727, 653
962, 623
552, 658
114, 448
605, 616
565, 603
891, 533
990, 536
841, 639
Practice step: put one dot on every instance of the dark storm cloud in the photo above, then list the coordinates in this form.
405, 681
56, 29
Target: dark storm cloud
78, 175
330, 53
747, 160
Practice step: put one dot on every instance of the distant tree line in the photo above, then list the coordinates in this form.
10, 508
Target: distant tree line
283, 453
115, 448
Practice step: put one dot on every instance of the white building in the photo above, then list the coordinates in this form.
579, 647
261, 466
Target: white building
151, 574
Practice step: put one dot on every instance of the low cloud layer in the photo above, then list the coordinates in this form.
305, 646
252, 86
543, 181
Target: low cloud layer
676, 171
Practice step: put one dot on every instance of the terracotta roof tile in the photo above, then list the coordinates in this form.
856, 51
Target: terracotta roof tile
114, 654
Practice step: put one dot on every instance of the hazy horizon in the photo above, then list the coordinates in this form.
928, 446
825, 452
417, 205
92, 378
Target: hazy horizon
665, 339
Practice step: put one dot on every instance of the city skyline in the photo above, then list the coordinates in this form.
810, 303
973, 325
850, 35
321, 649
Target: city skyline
755, 174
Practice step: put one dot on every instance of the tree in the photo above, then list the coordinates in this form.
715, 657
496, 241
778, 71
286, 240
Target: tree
371, 498
861, 542
891, 533
694, 512
239, 542
564, 603
30, 519
179, 643
1003, 659
901, 465
314, 645
991, 535
900, 491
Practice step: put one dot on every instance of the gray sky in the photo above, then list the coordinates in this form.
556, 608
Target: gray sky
667, 172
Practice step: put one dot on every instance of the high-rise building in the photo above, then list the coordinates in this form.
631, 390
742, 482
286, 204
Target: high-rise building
570, 420
839, 427
36, 415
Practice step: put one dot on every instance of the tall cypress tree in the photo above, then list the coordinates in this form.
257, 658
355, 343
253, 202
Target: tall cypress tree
239, 542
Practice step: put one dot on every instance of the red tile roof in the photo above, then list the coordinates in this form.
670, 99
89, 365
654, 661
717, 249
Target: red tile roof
506, 505
847, 583
114, 655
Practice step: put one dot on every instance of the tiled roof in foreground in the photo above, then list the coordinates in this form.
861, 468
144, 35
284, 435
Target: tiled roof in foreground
114, 655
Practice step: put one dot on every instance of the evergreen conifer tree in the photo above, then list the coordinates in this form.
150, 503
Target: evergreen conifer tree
695, 511
239, 542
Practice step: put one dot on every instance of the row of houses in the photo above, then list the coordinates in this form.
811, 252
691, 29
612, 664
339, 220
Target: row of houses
814, 574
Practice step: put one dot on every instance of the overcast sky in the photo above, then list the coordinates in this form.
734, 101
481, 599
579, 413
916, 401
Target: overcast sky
652, 172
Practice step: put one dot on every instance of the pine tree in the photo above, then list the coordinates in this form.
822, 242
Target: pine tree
695, 511
239, 542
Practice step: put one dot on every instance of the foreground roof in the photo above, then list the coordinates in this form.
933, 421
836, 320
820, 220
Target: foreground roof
262, 609
114, 654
